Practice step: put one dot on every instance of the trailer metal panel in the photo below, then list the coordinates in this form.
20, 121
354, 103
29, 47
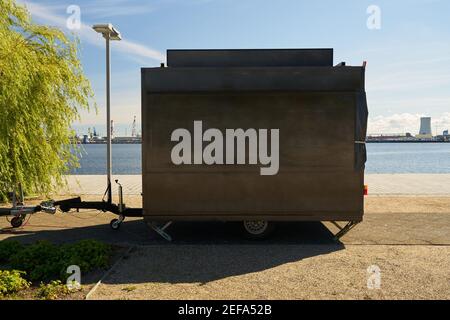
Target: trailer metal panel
321, 113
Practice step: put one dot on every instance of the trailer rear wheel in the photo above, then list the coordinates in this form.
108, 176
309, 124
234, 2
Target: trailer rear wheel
258, 229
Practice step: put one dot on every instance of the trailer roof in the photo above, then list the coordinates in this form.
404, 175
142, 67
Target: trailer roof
250, 58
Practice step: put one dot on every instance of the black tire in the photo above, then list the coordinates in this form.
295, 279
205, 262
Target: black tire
115, 224
257, 230
16, 222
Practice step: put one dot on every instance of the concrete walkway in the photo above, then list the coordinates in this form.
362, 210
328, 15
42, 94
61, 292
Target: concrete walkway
379, 184
408, 184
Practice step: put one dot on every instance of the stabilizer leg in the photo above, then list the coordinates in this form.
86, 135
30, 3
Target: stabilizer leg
161, 230
349, 226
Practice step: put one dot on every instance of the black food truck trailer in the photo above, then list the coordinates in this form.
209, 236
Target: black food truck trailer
256, 136
253, 135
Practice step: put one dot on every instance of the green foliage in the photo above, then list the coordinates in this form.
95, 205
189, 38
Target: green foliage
41, 261
51, 291
12, 282
87, 254
42, 88
44, 261
8, 249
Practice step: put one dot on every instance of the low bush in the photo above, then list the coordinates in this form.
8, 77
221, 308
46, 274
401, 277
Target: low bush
12, 282
87, 254
44, 261
52, 290
8, 249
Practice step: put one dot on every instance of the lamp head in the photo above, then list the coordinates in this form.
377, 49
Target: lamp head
108, 31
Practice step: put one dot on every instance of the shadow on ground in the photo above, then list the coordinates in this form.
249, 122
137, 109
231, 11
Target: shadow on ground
200, 252
206, 263
136, 232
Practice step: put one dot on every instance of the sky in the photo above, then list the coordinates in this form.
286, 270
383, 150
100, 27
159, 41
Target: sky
406, 44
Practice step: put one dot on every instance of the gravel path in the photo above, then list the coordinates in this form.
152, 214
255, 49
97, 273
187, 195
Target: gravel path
407, 237
279, 272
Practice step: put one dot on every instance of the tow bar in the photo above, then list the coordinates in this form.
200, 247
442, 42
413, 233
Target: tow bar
19, 211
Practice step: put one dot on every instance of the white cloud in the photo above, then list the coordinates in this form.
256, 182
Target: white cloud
406, 122
132, 49
103, 8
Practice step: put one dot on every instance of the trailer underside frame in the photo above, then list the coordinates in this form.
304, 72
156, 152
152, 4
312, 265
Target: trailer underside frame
66, 205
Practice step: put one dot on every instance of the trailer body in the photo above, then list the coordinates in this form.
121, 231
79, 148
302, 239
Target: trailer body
319, 109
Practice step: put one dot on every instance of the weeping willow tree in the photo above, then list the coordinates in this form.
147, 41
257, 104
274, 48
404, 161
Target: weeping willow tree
42, 90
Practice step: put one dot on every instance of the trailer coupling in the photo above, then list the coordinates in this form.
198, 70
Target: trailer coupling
19, 212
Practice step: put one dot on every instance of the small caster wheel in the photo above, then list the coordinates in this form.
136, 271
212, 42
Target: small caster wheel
115, 224
16, 222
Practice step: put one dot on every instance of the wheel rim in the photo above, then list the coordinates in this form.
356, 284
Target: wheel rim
256, 227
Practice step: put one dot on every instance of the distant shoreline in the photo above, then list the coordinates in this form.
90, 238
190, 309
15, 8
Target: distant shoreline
394, 141
94, 143
405, 141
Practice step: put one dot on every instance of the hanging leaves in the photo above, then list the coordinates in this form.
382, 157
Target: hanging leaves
42, 88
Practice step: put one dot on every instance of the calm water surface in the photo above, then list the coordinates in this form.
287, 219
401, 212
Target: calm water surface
382, 158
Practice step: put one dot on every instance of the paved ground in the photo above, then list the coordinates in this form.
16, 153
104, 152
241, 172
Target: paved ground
408, 184
280, 272
404, 220
407, 237
379, 184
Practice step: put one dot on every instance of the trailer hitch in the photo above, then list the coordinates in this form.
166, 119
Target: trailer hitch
119, 209
19, 210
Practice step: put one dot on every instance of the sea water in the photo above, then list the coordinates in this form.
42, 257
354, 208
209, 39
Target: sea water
382, 158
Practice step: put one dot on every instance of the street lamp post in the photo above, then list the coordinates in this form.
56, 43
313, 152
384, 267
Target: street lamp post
109, 33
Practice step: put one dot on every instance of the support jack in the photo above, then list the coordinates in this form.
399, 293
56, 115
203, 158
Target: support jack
116, 223
343, 231
119, 209
161, 230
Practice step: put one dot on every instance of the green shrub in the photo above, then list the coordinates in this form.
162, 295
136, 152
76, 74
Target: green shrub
87, 254
12, 282
52, 290
8, 249
44, 261
41, 261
